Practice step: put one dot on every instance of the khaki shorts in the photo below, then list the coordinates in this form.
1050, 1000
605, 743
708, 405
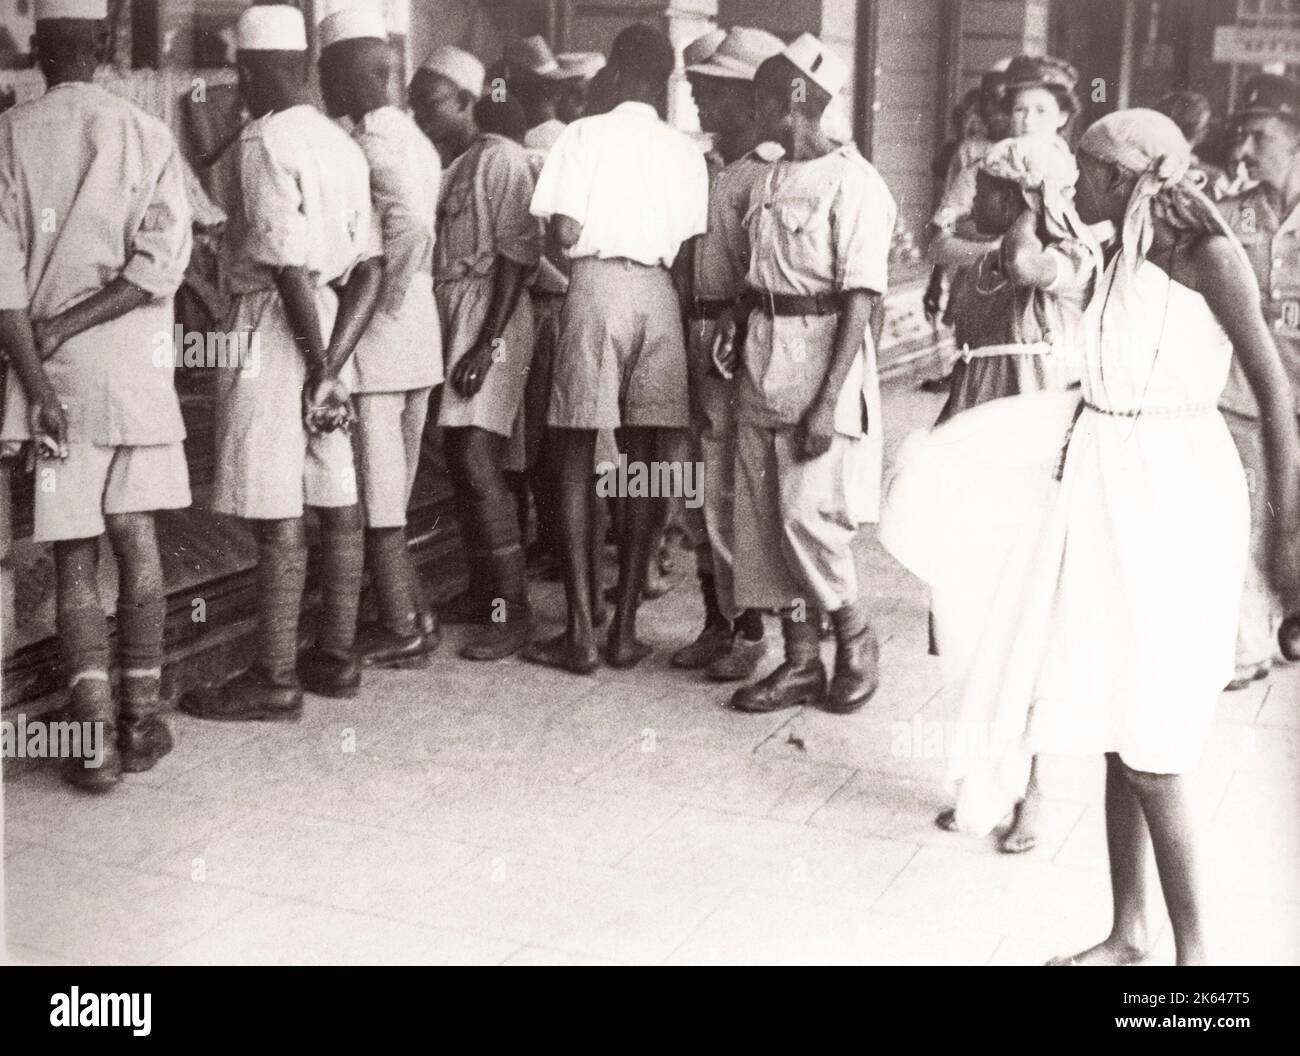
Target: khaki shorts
74, 494
387, 447
621, 355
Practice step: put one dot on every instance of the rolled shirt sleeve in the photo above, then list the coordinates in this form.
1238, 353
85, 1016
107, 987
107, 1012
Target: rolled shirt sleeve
563, 188
160, 250
508, 184
863, 226
407, 241
278, 234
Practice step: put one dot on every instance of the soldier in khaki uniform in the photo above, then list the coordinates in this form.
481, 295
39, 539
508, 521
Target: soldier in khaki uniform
487, 246
809, 455
399, 358
731, 643
302, 259
1266, 218
94, 240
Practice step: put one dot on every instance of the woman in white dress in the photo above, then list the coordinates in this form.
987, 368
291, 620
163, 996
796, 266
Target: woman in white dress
1086, 552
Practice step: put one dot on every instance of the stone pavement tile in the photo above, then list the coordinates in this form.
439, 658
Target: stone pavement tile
528, 813
364, 786
1078, 778
1282, 704
591, 910
537, 956
692, 713
130, 826
1243, 705
870, 739
103, 914
197, 740
1007, 894
752, 929
13, 846
1035, 952
741, 782
509, 687
524, 741
279, 931
355, 867
780, 859
1253, 847
16, 953
900, 809
1247, 930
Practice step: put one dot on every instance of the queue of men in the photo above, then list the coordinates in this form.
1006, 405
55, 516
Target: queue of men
534, 295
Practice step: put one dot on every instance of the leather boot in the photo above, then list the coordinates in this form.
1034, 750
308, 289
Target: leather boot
377, 646
857, 660
329, 674
251, 696
142, 735
715, 640
801, 678
506, 635
92, 701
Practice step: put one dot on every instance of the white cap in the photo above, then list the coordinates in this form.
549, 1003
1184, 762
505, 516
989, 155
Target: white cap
357, 21
824, 68
458, 66
740, 54
701, 49
271, 27
95, 10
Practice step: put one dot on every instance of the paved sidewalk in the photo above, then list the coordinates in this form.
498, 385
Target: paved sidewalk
504, 813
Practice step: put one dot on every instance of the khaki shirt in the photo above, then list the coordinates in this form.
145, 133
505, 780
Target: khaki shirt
1273, 245
304, 202
722, 253
483, 211
819, 226
92, 190
402, 346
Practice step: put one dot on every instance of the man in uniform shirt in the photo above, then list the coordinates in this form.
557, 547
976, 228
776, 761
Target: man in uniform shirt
399, 357
94, 240
723, 88
1267, 220
302, 262
623, 192
487, 246
809, 454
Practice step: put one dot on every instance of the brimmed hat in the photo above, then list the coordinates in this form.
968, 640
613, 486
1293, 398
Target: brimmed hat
1270, 95
532, 57
821, 65
581, 64
742, 51
701, 49
1040, 71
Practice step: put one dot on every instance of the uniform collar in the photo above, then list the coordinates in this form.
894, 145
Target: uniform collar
631, 106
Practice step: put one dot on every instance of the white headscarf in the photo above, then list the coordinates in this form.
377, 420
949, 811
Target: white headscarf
1045, 172
1149, 145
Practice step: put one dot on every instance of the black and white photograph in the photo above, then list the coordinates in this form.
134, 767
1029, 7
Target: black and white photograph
650, 482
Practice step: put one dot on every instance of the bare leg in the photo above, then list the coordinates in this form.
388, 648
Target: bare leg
1126, 844
640, 518
1169, 820
573, 453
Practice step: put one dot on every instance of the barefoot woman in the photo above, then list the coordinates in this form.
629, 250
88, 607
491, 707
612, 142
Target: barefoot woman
1115, 636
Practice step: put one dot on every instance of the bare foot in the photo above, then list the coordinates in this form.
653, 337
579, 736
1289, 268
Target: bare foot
580, 658
624, 652
1114, 951
1021, 837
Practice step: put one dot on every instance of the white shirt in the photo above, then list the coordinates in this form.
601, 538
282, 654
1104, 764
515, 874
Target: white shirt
638, 187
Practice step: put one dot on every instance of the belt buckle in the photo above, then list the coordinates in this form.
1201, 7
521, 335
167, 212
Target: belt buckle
771, 303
